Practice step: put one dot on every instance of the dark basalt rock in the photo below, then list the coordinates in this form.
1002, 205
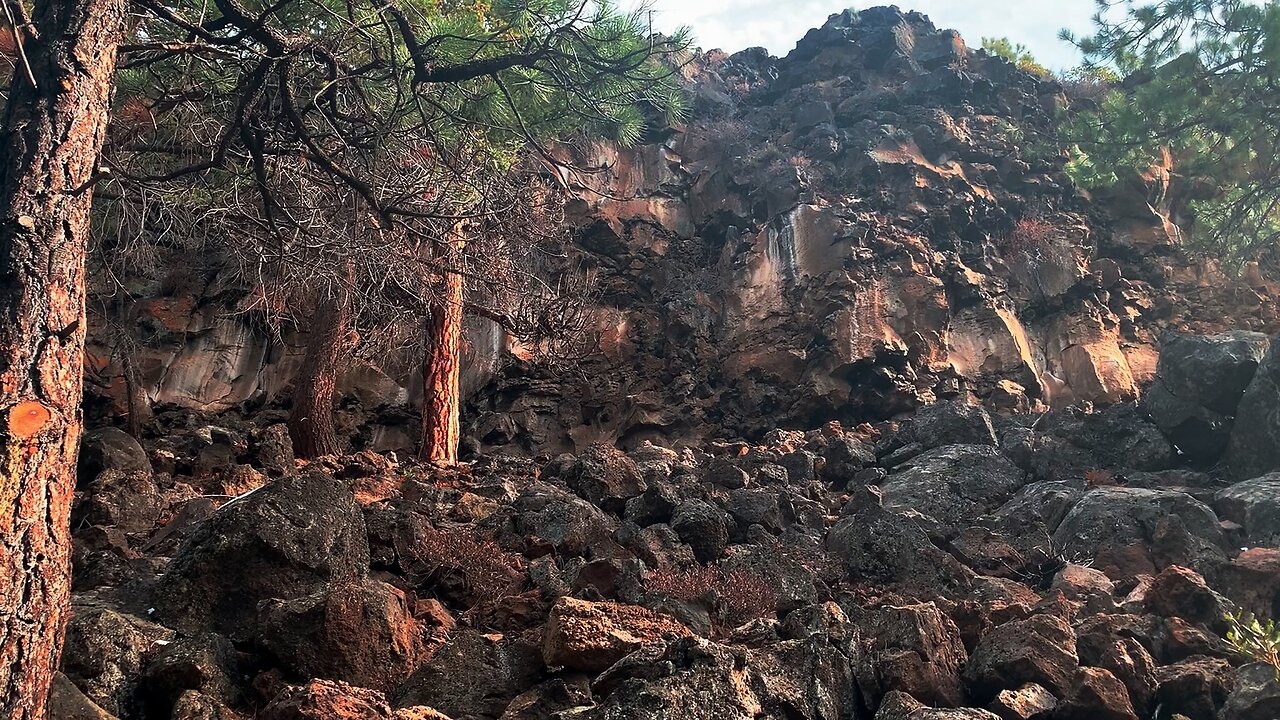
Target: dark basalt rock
289, 539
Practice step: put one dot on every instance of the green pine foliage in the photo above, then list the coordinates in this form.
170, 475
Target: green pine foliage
1202, 83
1254, 639
1016, 53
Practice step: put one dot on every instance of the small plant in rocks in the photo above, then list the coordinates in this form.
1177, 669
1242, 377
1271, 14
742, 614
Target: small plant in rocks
1254, 639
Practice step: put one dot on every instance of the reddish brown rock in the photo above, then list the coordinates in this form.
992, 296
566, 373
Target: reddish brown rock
592, 636
1029, 702
363, 634
330, 700
1181, 592
1096, 694
915, 649
1040, 649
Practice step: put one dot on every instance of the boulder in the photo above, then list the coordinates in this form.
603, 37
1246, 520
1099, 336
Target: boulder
110, 448
950, 422
1181, 592
1029, 702
364, 634
1040, 649
1255, 505
1121, 530
66, 702
1127, 659
604, 475
273, 450
544, 514
1252, 581
206, 663
843, 458
126, 500
694, 678
1196, 687
290, 539
915, 649
1211, 371
653, 506
953, 484
901, 706
1199, 433
331, 700
1255, 437
105, 652
474, 675
755, 506
1256, 695
878, 546
1096, 694
704, 527
590, 636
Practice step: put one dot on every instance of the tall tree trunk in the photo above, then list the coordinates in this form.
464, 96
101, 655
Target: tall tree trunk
53, 133
441, 370
311, 420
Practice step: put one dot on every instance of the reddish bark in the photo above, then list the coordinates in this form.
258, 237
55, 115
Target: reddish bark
311, 420
53, 133
441, 373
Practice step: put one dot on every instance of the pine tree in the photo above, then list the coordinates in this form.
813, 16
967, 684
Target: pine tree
374, 136
1200, 84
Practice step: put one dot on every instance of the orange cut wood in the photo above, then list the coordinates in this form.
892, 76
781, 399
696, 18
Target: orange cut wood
27, 419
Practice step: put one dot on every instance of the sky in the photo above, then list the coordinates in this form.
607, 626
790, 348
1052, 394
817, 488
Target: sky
777, 24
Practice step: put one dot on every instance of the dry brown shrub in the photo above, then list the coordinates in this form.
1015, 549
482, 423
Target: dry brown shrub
735, 597
487, 573
1029, 235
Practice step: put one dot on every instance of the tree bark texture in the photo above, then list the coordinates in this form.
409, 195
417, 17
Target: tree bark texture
442, 370
54, 127
311, 419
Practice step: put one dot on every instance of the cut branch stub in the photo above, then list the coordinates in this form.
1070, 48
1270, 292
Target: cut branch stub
27, 419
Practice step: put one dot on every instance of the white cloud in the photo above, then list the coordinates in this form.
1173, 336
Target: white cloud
778, 24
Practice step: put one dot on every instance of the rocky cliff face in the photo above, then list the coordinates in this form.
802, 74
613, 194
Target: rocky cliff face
863, 227
856, 230
863, 230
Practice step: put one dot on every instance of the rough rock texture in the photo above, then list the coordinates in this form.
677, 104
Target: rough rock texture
289, 539
590, 636
850, 232
364, 634
954, 485
1254, 449
1255, 505
859, 444
1200, 381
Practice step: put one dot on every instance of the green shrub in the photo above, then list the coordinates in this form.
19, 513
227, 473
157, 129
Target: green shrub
1255, 639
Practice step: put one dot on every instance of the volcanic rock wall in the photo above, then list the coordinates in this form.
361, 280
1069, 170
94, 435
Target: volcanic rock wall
865, 226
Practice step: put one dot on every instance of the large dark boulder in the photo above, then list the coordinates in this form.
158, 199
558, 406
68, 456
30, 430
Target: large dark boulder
876, 545
1255, 505
289, 539
110, 448
1255, 438
1127, 531
951, 422
603, 475
704, 527
104, 653
1200, 381
1211, 371
1256, 695
954, 484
